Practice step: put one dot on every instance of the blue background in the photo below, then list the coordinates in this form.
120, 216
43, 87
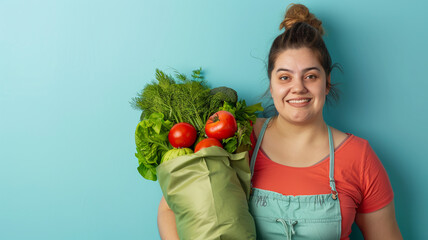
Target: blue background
68, 70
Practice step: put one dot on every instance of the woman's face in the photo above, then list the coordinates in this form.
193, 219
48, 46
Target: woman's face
298, 86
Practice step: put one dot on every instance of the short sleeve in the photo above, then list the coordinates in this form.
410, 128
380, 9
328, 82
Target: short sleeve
375, 185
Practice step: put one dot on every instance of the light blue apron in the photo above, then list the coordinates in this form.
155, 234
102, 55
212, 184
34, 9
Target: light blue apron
289, 217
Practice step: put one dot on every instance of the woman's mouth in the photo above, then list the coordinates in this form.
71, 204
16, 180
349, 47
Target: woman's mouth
299, 102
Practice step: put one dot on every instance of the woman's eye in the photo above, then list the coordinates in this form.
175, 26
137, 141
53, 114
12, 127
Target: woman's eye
311, 76
284, 78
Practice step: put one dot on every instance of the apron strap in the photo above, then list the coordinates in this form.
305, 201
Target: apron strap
331, 174
256, 149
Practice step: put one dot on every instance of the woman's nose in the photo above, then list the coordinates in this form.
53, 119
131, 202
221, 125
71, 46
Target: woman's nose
298, 86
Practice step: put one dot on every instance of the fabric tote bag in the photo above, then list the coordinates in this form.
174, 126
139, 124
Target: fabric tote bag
208, 191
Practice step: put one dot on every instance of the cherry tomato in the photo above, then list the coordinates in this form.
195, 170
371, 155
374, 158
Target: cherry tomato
182, 135
221, 125
208, 142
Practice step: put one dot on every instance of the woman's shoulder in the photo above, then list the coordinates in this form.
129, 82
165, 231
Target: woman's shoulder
354, 140
257, 126
339, 137
351, 145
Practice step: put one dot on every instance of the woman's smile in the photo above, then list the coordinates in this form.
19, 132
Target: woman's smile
299, 102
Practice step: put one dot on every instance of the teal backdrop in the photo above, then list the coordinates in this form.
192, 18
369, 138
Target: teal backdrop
68, 70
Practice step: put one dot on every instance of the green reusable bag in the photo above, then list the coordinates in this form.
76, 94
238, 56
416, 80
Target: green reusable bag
208, 192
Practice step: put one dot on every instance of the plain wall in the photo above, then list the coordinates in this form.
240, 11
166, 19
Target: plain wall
68, 70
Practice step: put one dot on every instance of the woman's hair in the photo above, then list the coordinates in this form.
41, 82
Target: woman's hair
302, 29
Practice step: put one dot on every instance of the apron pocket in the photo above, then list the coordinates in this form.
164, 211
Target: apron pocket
327, 229
272, 229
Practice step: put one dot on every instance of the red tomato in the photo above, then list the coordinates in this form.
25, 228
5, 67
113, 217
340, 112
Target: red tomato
182, 135
221, 125
208, 142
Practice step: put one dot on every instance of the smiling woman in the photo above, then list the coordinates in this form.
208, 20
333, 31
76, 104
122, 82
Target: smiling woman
314, 180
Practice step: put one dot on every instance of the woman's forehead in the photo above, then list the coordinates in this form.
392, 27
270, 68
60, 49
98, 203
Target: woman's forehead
301, 58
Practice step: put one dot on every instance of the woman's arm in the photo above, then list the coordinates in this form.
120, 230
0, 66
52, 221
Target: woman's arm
166, 222
380, 224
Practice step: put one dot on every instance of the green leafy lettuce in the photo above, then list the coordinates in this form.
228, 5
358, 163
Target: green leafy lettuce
151, 138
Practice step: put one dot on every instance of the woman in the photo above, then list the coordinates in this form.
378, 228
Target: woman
310, 181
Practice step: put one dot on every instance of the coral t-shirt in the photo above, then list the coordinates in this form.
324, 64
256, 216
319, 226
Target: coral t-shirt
362, 183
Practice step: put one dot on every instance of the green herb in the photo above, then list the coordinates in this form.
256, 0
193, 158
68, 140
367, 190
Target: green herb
180, 100
245, 116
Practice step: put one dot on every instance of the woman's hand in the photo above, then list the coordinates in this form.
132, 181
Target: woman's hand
166, 222
380, 224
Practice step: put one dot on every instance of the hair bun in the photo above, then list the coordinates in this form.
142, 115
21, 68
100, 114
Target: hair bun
300, 13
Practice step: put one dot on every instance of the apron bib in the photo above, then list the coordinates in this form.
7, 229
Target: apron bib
280, 216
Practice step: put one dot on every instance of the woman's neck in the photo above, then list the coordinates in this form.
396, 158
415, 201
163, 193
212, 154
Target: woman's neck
307, 132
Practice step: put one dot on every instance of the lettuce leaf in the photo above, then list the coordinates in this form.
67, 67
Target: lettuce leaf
151, 138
